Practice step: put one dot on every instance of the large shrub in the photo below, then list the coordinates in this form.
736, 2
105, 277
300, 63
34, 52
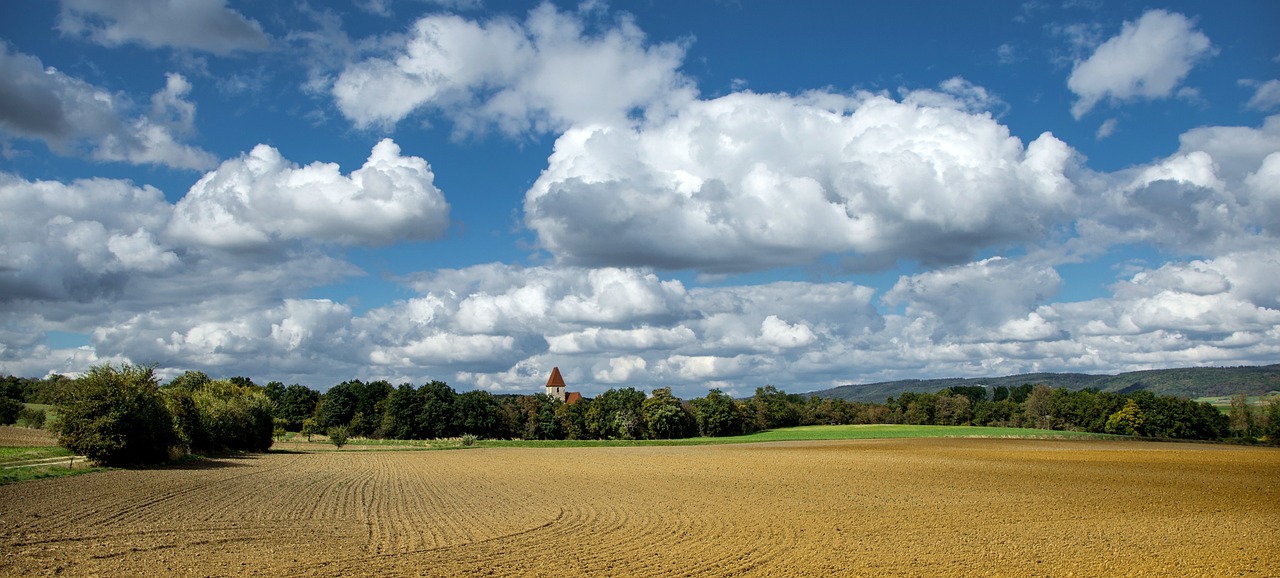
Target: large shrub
116, 416
233, 416
9, 410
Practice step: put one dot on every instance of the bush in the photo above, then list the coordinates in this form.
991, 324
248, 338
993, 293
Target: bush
33, 418
116, 416
9, 410
338, 435
469, 439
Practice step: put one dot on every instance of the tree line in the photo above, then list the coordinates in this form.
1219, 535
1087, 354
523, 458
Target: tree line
124, 415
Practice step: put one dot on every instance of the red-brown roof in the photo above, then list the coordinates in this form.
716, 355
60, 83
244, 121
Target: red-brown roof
555, 380
572, 396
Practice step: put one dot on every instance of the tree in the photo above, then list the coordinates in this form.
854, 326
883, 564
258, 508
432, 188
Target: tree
1241, 415
615, 414
664, 417
774, 408
116, 416
1272, 413
9, 410
476, 413
717, 415
296, 403
1127, 421
235, 415
953, 410
400, 414
338, 435
436, 415
1038, 406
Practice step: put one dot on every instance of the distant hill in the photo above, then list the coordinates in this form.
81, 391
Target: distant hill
1190, 382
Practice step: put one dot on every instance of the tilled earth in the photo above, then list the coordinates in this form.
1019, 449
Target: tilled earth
917, 507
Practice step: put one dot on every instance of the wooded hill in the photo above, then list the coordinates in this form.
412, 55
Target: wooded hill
1188, 382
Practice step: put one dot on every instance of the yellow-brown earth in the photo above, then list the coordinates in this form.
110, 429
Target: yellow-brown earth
920, 507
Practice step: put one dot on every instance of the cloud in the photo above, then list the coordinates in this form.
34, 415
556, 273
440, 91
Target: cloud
1212, 196
261, 198
756, 181
78, 242
1107, 128
968, 301
544, 74
74, 117
205, 25
1265, 97
1148, 59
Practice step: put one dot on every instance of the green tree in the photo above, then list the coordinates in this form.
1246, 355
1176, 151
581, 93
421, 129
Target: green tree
296, 403
189, 381
338, 435
953, 410
1127, 421
9, 410
235, 415
663, 415
717, 415
1038, 407
775, 409
477, 413
400, 414
1241, 416
1272, 413
116, 416
615, 414
436, 414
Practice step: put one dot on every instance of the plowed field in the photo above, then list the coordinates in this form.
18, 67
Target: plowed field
919, 507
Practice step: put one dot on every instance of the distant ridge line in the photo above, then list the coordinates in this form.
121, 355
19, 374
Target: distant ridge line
1188, 382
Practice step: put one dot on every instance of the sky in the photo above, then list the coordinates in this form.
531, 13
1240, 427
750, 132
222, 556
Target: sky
705, 194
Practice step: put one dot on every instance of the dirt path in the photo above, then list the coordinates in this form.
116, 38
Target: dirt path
871, 508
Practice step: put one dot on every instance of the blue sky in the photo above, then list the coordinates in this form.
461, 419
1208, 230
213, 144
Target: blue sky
696, 195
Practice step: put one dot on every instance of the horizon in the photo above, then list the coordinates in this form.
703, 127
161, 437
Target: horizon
710, 195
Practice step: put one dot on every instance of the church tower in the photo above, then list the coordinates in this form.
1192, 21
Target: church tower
555, 385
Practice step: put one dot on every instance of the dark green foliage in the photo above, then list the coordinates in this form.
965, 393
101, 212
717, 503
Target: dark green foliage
615, 414
400, 414
477, 413
342, 402
116, 416
9, 410
295, 404
717, 415
774, 408
187, 425
32, 418
1272, 413
436, 412
665, 417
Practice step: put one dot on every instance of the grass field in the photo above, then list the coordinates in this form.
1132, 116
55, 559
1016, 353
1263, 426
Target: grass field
803, 433
1223, 402
847, 507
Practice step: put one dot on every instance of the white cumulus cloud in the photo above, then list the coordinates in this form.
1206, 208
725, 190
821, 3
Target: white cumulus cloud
543, 74
258, 198
754, 181
1148, 59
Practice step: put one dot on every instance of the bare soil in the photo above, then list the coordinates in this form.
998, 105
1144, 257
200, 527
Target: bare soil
915, 507
14, 436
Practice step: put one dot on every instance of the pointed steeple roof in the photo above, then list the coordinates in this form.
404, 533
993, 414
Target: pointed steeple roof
555, 380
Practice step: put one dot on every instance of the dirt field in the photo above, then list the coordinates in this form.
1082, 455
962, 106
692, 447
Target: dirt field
25, 437
920, 507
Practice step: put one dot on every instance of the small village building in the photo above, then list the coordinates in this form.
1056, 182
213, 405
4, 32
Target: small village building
556, 388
